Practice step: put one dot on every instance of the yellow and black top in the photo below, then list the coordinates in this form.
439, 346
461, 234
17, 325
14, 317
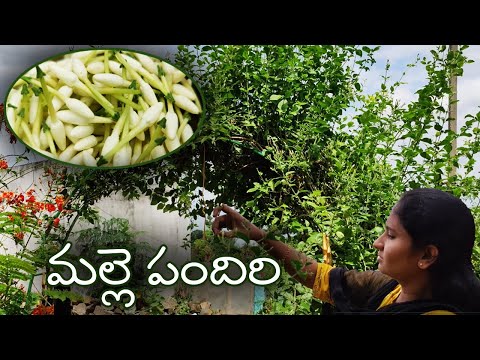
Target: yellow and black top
352, 291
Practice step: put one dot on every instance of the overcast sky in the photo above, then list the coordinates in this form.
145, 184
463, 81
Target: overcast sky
15, 59
400, 56
468, 85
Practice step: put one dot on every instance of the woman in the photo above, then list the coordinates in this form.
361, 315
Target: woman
424, 260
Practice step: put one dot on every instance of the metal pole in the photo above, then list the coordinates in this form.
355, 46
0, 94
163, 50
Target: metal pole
452, 112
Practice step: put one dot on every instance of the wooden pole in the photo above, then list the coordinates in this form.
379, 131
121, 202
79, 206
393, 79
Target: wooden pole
452, 112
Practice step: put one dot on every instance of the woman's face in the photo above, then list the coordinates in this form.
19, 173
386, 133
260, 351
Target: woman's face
396, 256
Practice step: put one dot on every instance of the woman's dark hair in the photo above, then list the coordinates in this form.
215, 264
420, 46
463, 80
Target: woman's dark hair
438, 218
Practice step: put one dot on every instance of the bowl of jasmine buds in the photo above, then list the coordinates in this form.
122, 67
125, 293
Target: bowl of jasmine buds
104, 108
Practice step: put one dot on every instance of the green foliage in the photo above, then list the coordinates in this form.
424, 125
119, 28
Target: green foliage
106, 234
62, 295
13, 298
14, 268
113, 233
293, 141
290, 298
210, 247
476, 247
270, 110
179, 304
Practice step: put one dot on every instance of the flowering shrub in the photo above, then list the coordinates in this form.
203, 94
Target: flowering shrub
23, 214
43, 310
14, 300
25, 217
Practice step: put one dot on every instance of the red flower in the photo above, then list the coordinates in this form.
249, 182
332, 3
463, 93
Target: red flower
50, 207
39, 206
56, 221
7, 195
31, 199
43, 310
59, 201
3, 165
19, 235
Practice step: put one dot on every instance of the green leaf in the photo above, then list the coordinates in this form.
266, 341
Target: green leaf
37, 91
102, 161
24, 89
160, 71
162, 123
40, 73
160, 140
63, 295
282, 106
101, 112
275, 97
133, 85
377, 230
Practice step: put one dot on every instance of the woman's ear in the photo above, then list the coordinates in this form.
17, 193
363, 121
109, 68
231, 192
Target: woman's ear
429, 257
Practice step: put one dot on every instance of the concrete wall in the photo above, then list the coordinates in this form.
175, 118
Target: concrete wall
155, 227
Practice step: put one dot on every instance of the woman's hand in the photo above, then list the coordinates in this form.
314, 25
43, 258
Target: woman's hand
236, 223
290, 257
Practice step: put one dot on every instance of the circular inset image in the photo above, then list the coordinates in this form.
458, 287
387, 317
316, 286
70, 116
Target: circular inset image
104, 108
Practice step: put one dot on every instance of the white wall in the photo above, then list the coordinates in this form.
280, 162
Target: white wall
157, 228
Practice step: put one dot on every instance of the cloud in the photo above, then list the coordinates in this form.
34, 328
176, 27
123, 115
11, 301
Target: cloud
402, 53
472, 70
468, 96
398, 56
404, 95
468, 85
